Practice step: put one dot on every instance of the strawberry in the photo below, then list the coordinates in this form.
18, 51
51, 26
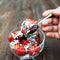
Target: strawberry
38, 39
24, 31
37, 50
25, 42
19, 37
32, 21
10, 38
15, 32
33, 50
19, 49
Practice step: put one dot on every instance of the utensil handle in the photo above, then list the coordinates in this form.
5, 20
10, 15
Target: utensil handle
44, 19
58, 8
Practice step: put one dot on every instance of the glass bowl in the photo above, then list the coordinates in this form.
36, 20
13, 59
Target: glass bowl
26, 54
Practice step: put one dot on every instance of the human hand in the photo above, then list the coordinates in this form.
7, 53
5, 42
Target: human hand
52, 25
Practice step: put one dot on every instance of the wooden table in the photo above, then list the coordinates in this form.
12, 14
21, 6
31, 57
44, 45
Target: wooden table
13, 12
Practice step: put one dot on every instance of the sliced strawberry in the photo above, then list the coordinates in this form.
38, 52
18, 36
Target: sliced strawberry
38, 39
24, 31
32, 21
33, 50
25, 42
19, 49
15, 32
10, 38
37, 49
19, 37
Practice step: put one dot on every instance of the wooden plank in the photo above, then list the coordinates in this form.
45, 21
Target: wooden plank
57, 2
49, 4
15, 57
39, 57
9, 20
52, 49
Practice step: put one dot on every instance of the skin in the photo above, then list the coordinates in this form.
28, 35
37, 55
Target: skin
51, 26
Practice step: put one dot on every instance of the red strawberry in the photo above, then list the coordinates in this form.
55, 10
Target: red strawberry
25, 42
38, 39
32, 21
24, 31
37, 50
10, 38
15, 32
33, 50
19, 49
19, 37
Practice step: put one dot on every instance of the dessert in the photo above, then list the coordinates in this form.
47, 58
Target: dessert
33, 50
27, 39
19, 49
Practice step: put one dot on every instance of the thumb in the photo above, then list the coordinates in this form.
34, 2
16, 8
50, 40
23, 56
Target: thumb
54, 12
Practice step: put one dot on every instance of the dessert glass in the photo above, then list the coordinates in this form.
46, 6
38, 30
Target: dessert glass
27, 56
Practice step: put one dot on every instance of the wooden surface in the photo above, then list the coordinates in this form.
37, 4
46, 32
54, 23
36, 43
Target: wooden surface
13, 12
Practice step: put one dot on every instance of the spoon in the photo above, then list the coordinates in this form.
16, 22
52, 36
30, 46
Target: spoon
44, 19
58, 8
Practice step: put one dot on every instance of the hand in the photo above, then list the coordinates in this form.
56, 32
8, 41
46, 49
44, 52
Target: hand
52, 25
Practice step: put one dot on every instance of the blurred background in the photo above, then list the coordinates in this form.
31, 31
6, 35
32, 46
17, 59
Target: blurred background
13, 12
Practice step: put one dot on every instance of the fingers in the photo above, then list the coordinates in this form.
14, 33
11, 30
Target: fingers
47, 22
50, 28
53, 21
53, 34
54, 12
52, 25
59, 27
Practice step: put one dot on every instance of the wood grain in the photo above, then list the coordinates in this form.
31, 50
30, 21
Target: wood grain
13, 12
